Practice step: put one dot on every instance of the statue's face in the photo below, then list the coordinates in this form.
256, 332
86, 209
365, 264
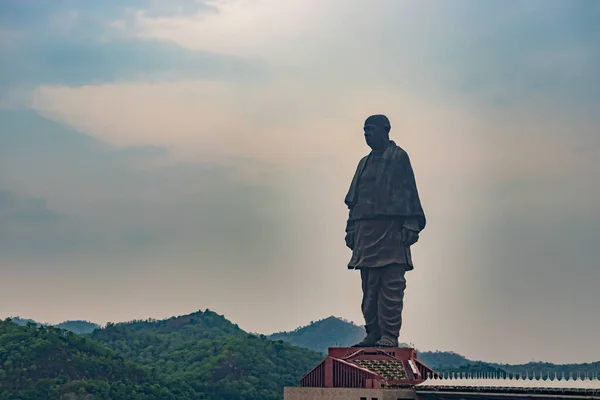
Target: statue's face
376, 135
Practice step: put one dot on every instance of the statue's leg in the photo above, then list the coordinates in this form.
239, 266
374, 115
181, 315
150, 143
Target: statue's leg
390, 303
370, 283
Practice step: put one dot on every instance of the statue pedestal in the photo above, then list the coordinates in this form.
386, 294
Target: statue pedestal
362, 373
368, 368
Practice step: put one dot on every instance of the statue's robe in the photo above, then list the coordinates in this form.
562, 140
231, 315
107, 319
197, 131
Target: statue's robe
383, 200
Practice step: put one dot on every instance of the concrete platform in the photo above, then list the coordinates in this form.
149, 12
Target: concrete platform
317, 393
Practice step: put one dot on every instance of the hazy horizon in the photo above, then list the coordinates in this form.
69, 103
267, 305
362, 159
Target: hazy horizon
157, 158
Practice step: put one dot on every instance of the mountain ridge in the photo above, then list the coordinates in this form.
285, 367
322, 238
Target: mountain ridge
76, 326
318, 336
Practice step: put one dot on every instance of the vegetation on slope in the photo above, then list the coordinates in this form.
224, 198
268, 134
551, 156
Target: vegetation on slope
78, 326
448, 362
323, 334
24, 321
213, 355
196, 356
43, 362
320, 335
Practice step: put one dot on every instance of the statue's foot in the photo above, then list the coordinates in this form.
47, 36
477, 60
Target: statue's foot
365, 343
386, 342
369, 341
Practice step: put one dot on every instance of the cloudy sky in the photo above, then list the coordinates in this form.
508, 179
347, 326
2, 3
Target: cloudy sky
158, 157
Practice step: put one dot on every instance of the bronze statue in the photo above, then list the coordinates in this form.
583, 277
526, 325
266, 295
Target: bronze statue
385, 219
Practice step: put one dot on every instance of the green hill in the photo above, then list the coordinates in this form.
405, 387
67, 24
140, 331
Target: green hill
544, 367
446, 361
210, 353
79, 327
442, 360
23, 321
43, 362
196, 325
320, 335
196, 356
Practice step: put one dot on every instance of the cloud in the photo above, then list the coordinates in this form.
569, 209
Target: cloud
18, 13
537, 47
123, 60
21, 211
117, 197
67, 43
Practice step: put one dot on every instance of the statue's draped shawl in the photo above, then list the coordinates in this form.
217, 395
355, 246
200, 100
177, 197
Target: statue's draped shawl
397, 194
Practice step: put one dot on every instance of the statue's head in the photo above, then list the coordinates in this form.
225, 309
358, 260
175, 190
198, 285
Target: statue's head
377, 131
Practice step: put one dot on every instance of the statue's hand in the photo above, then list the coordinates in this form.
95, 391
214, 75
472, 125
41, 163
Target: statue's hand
350, 239
409, 237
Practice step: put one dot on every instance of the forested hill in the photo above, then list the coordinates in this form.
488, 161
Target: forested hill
216, 357
77, 326
23, 321
320, 335
196, 356
43, 362
198, 325
325, 333
446, 361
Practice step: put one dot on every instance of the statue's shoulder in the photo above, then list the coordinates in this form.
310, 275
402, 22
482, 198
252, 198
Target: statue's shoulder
397, 152
363, 161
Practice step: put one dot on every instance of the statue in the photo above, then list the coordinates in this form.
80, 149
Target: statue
385, 219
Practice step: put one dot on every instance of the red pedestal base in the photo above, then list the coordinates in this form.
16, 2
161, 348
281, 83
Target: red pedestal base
369, 367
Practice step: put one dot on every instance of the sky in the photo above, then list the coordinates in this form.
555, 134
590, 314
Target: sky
159, 158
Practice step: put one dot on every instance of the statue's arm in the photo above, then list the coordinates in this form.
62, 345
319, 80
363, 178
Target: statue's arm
411, 226
350, 222
350, 232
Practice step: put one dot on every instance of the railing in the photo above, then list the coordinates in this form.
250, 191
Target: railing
350, 376
315, 378
518, 383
